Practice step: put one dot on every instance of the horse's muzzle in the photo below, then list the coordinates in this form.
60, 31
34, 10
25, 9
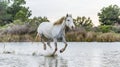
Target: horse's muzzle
73, 28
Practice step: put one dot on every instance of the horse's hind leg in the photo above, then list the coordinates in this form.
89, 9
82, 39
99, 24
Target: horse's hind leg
42, 40
48, 43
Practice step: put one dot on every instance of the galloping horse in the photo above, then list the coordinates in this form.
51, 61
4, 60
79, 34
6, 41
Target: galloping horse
55, 31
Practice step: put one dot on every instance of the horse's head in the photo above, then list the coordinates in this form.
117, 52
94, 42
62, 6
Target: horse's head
69, 21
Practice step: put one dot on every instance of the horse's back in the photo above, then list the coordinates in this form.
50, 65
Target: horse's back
45, 28
43, 24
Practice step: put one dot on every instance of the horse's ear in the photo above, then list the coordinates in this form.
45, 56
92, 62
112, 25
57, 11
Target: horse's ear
66, 15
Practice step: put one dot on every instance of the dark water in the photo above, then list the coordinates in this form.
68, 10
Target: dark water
77, 54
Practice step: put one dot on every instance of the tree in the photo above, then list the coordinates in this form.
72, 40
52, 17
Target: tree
23, 14
109, 15
11, 10
37, 20
83, 21
5, 17
18, 11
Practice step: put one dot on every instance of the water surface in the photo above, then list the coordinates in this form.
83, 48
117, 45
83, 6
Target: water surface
77, 54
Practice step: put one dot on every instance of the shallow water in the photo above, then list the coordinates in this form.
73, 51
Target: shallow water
77, 54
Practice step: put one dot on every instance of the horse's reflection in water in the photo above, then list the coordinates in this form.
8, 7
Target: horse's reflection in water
55, 62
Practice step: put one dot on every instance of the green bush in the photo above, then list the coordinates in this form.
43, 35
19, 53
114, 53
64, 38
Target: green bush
116, 29
105, 28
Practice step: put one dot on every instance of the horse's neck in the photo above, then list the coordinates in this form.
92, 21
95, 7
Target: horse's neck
63, 27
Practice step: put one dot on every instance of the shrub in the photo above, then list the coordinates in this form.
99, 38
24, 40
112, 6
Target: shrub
16, 38
116, 29
76, 35
108, 37
9, 38
105, 28
91, 36
26, 38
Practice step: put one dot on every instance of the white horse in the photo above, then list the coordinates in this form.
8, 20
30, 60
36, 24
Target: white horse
55, 31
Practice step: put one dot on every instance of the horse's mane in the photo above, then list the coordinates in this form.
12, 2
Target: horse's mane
59, 21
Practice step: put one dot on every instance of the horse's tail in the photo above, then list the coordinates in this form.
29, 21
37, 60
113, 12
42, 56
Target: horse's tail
36, 38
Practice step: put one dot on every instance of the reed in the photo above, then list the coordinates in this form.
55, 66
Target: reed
108, 37
73, 36
16, 38
90, 37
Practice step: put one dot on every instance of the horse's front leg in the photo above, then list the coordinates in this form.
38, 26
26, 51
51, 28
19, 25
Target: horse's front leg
55, 41
63, 49
42, 40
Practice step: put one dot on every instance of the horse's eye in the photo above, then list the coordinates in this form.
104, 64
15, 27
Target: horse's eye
68, 20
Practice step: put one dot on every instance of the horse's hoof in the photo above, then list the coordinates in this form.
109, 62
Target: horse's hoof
61, 51
52, 55
44, 48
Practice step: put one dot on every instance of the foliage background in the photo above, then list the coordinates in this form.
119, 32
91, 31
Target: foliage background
16, 24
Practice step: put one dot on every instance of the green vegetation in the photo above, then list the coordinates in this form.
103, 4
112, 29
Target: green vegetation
109, 15
4, 16
16, 26
11, 10
83, 22
93, 37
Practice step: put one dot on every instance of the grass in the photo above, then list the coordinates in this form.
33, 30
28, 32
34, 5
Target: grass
73, 36
108, 37
16, 38
93, 37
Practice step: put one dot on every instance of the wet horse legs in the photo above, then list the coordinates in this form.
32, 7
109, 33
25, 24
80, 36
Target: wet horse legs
42, 40
48, 43
55, 40
63, 49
